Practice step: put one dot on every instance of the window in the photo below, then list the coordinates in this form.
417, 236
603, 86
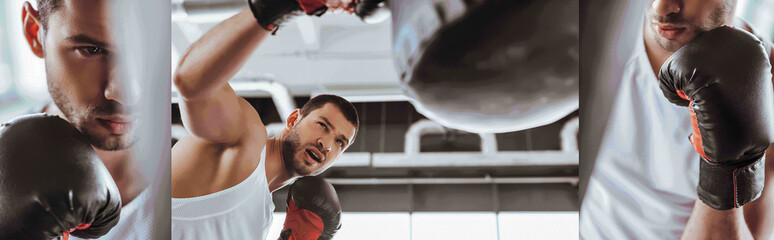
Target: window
451, 225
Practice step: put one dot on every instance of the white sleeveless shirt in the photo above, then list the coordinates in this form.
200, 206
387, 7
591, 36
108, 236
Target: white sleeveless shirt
644, 183
243, 211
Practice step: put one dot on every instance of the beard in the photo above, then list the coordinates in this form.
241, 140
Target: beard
84, 119
715, 20
291, 146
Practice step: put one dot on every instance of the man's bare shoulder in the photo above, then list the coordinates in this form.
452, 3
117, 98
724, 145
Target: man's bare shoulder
200, 167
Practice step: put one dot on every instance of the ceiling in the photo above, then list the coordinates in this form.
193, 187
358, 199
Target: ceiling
335, 52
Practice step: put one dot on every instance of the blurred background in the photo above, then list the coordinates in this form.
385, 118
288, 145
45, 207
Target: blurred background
22, 74
404, 177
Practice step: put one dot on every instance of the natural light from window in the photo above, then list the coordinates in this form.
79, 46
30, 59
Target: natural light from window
451, 226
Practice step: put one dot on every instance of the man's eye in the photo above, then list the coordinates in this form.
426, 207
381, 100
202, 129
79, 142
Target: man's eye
323, 125
91, 50
341, 143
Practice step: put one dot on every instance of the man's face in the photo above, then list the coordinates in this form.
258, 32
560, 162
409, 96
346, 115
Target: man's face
82, 76
317, 140
675, 22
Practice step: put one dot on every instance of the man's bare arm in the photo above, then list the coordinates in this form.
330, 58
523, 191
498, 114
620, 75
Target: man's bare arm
753, 221
759, 214
210, 109
709, 223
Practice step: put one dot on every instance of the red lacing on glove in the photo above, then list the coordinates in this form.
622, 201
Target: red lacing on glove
311, 6
66, 235
305, 224
696, 140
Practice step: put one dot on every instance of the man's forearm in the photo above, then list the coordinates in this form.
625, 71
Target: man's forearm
708, 223
753, 221
759, 214
217, 56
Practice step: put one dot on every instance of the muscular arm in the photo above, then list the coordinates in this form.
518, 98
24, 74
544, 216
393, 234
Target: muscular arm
210, 109
760, 213
221, 122
754, 220
708, 223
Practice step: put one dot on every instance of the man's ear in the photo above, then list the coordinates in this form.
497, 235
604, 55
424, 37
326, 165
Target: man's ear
293, 119
31, 25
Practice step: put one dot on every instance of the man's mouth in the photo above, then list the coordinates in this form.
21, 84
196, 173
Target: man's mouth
116, 125
669, 31
315, 155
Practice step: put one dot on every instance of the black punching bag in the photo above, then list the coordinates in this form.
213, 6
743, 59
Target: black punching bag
488, 66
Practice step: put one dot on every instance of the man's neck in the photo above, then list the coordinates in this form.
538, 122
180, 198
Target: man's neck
119, 163
276, 173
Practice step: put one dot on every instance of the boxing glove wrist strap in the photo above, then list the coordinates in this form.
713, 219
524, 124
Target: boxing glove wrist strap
723, 186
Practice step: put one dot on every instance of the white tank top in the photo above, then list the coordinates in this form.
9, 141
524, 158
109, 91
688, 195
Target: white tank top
644, 182
243, 211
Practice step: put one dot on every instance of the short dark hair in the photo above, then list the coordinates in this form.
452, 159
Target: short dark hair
45, 8
346, 108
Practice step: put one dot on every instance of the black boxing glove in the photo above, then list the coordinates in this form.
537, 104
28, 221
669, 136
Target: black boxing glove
272, 13
52, 183
724, 77
371, 11
313, 210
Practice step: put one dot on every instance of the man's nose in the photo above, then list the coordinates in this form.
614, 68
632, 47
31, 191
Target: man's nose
120, 90
666, 7
325, 145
